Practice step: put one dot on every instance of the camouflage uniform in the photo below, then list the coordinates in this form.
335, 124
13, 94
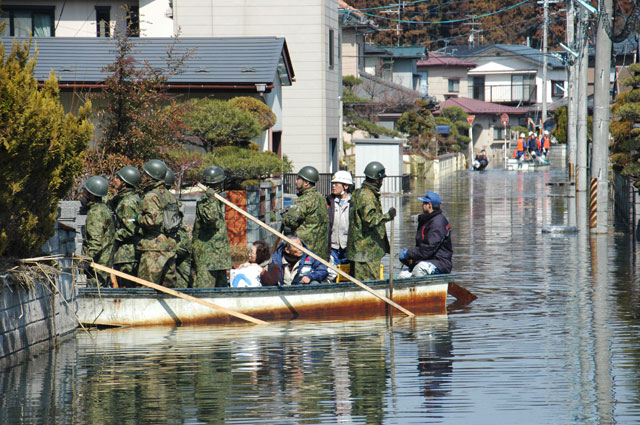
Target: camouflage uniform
98, 240
184, 251
128, 206
158, 251
211, 250
309, 219
367, 242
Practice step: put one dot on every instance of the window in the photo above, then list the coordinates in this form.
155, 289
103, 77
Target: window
498, 133
103, 21
476, 88
454, 86
557, 88
24, 21
331, 48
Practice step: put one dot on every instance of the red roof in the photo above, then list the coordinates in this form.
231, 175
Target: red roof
440, 59
344, 5
474, 106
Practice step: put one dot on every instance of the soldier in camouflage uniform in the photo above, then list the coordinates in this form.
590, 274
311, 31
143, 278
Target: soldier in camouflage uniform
98, 231
308, 218
367, 242
183, 249
127, 207
157, 250
211, 250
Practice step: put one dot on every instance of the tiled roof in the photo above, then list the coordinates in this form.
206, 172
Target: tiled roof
223, 61
474, 106
509, 49
440, 59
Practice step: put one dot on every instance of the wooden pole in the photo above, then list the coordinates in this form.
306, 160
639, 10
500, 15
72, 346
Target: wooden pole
391, 243
178, 294
310, 253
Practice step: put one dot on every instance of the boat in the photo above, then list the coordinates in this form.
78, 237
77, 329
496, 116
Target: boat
147, 307
515, 165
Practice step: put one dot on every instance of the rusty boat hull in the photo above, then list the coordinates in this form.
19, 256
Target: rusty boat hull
147, 307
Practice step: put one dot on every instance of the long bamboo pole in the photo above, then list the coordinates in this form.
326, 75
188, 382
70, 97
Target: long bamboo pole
178, 294
310, 253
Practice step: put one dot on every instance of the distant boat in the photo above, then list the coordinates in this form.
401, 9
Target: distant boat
515, 165
147, 307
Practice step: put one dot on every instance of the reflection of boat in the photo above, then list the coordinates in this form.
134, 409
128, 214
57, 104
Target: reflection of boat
146, 307
515, 165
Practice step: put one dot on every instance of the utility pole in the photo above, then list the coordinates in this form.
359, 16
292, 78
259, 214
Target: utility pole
583, 84
601, 101
544, 61
572, 104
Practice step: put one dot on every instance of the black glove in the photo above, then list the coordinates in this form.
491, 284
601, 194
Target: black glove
392, 213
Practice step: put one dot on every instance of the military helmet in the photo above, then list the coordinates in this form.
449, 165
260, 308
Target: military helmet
170, 178
213, 175
97, 186
155, 169
130, 175
374, 170
309, 174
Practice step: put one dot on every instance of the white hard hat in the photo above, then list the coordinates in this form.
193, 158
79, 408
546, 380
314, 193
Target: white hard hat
342, 177
546, 132
521, 134
530, 133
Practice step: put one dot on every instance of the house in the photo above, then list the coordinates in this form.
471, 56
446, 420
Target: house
310, 124
218, 66
488, 132
354, 27
398, 65
446, 75
511, 75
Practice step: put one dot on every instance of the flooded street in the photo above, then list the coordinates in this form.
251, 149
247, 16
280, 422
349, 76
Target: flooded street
553, 338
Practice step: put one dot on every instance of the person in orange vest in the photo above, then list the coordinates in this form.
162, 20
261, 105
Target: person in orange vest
519, 147
546, 143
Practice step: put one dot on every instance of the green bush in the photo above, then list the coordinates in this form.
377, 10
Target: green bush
261, 112
217, 123
41, 152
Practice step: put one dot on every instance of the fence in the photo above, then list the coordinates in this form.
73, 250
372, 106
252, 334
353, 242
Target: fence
391, 184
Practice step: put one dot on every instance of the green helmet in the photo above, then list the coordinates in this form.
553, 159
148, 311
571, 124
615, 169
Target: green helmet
374, 170
130, 175
97, 186
213, 175
309, 174
170, 178
155, 169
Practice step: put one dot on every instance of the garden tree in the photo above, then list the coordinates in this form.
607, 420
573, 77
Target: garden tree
455, 117
625, 148
137, 117
261, 112
560, 117
41, 152
217, 123
419, 125
360, 113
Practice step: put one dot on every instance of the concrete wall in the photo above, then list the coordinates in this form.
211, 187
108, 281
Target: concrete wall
34, 319
441, 166
311, 107
352, 47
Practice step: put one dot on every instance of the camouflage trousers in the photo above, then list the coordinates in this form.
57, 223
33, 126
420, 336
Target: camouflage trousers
183, 273
128, 268
369, 270
209, 278
158, 267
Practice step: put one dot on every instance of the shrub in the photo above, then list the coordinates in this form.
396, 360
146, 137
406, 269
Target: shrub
217, 123
261, 112
41, 152
242, 164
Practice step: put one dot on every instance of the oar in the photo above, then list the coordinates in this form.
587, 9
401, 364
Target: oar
461, 294
310, 253
391, 260
178, 294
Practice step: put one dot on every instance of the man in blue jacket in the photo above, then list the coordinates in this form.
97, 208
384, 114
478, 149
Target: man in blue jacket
433, 251
296, 267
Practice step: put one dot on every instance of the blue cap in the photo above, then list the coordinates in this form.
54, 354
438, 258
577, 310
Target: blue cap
431, 197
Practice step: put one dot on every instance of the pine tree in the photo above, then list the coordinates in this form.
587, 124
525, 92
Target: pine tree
41, 152
625, 149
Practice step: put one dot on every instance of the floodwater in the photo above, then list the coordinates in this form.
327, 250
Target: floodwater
553, 338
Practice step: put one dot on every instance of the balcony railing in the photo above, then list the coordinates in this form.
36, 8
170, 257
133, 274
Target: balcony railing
507, 93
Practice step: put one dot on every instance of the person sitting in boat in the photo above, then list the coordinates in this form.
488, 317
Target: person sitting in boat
433, 251
533, 143
249, 274
520, 147
481, 161
296, 267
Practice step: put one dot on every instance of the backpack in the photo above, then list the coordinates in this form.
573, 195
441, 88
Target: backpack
171, 218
